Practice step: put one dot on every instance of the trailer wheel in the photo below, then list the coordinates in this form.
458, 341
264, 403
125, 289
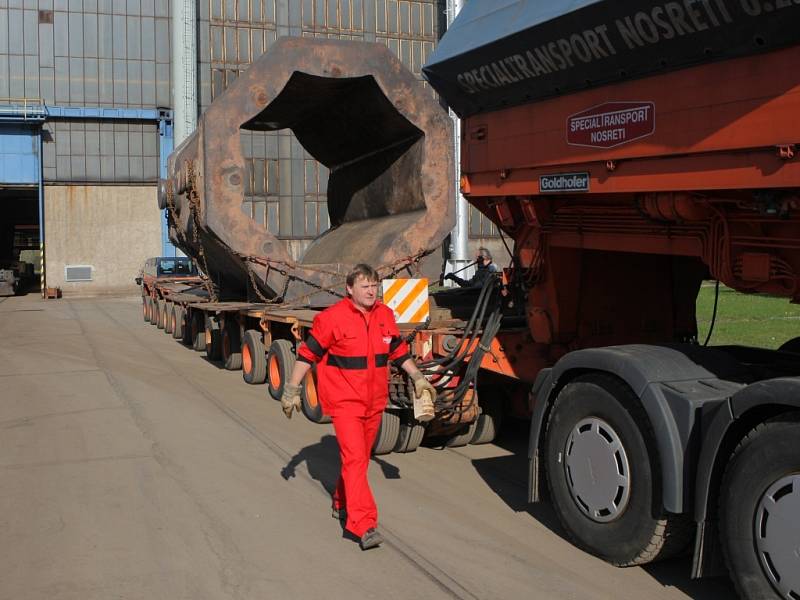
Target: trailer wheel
198, 330
187, 338
280, 361
151, 311
311, 406
213, 340
254, 358
603, 476
759, 508
388, 431
177, 322
489, 422
231, 346
168, 322
462, 439
409, 436
161, 314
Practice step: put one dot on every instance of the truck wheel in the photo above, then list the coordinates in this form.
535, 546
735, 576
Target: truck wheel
759, 508
198, 329
463, 438
231, 346
388, 431
489, 422
603, 475
213, 340
792, 345
145, 309
409, 436
168, 323
254, 359
280, 362
311, 406
177, 322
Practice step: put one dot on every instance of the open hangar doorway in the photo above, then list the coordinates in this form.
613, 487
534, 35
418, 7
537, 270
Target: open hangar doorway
19, 235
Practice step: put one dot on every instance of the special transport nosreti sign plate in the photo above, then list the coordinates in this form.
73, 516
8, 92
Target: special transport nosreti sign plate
611, 124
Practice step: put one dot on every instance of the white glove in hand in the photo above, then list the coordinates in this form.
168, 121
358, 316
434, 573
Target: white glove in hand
290, 399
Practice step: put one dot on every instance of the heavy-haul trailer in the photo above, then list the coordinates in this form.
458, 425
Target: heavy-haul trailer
632, 150
261, 340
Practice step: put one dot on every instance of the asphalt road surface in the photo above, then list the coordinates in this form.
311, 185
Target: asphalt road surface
131, 467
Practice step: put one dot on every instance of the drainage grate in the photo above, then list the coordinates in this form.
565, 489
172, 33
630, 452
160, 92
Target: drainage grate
78, 272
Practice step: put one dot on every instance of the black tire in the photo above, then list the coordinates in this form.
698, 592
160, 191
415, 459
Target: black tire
463, 437
187, 338
758, 544
168, 324
254, 358
792, 345
630, 527
198, 330
161, 318
177, 322
489, 422
388, 431
231, 346
151, 311
145, 309
280, 362
409, 436
311, 406
213, 340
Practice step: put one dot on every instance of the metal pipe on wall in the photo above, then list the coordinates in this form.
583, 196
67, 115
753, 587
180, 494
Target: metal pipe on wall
184, 68
459, 249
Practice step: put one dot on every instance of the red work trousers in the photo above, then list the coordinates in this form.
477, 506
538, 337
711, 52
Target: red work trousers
355, 436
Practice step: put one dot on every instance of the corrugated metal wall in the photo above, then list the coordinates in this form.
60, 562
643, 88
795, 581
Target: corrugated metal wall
108, 53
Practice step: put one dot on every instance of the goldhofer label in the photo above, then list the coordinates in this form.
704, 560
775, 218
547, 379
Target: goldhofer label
564, 182
611, 124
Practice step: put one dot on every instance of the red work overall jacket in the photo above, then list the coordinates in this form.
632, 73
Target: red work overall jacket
352, 351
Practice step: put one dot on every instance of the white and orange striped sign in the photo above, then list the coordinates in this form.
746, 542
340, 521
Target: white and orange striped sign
408, 298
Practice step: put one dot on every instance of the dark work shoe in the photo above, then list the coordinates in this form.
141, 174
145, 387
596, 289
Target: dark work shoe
371, 539
339, 513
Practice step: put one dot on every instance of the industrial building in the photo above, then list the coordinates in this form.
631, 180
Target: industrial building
94, 95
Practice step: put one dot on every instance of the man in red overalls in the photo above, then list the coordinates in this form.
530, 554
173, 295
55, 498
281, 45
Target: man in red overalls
351, 344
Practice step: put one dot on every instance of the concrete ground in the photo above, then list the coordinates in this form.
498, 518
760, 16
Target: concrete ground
130, 467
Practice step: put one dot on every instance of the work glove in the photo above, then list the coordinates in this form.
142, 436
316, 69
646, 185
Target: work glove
421, 384
290, 400
449, 277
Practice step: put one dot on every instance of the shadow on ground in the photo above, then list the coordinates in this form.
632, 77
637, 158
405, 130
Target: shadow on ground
323, 464
506, 476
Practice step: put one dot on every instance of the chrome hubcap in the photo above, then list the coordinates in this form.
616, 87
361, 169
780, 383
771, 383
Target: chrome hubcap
597, 470
777, 535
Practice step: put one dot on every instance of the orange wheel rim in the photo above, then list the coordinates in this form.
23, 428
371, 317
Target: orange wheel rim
274, 372
247, 360
311, 390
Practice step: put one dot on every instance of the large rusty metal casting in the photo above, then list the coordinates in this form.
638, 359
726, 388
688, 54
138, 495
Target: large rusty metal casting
361, 113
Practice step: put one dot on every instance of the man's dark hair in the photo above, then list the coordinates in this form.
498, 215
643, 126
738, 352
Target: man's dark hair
361, 270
